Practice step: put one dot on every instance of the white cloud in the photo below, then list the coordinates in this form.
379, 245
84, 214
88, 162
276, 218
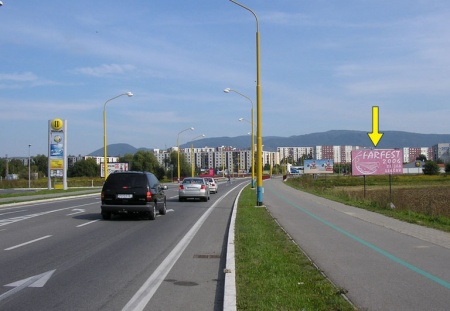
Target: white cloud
105, 70
18, 77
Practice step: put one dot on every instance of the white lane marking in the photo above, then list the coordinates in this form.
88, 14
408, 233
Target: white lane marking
34, 281
46, 201
76, 211
26, 243
148, 289
87, 223
8, 221
24, 210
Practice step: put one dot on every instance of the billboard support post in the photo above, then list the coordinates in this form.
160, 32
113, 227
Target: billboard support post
57, 152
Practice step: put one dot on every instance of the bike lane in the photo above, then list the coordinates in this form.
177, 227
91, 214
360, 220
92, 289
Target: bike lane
379, 266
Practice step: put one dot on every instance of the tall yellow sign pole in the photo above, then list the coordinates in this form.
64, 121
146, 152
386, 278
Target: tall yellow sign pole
259, 183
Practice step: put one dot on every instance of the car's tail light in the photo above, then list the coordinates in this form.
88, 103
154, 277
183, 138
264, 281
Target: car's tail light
103, 195
149, 196
181, 187
203, 187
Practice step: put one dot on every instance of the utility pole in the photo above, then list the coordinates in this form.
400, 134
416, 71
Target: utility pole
7, 172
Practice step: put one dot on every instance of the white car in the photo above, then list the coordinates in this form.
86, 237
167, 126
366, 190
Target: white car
212, 184
195, 188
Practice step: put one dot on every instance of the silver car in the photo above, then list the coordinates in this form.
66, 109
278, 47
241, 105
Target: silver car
212, 184
194, 187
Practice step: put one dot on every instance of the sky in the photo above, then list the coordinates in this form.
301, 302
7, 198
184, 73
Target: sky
324, 64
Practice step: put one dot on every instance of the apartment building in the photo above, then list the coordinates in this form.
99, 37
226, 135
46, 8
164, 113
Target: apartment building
441, 152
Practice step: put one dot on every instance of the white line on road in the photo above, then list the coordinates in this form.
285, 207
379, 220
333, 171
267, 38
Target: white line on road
4, 222
148, 289
87, 223
26, 243
76, 211
23, 210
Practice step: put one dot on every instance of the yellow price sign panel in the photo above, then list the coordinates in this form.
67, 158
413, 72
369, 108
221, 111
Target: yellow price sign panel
56, 164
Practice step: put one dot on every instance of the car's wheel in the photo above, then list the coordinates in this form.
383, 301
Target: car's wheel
106, 215
152, 213
180, 199
163, 209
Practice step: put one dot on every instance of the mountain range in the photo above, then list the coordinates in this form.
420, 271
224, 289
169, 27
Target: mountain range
390, 139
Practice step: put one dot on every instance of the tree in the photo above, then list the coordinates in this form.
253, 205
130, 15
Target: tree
447, 167
144, 161
421, 157
41, 162
15, 166
127, 158
431, 168
88, 167
185, 167
2, 167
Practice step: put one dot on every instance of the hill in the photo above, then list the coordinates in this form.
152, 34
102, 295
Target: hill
390, 139
116, 150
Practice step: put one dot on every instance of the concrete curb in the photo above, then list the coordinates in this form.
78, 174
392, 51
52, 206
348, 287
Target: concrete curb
229, 299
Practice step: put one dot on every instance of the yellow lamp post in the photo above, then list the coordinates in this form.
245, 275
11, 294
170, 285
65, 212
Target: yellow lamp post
253, 151
259, 184
192, 154
223, 162
29, 167
105, 158
178, 145
228, 90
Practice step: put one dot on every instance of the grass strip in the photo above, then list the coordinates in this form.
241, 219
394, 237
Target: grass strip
271, 271
424, 202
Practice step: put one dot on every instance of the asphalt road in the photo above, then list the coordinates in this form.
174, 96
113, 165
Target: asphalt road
382, 263
60, 255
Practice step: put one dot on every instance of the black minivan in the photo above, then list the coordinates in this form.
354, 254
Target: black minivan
133, 192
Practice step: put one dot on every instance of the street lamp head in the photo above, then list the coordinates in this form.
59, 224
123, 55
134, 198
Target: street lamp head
192, 128
227, 90
129, 94
241, 119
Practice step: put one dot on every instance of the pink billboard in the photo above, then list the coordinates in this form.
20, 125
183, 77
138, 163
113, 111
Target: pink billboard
377, 162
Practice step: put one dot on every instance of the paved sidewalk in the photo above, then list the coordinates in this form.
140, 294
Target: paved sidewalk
382, 263
434, 236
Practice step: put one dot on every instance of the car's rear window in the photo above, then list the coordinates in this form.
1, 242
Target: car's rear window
126, 180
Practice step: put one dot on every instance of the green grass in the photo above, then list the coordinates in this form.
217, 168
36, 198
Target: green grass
43, 182
418, 199
271, 271
38, 192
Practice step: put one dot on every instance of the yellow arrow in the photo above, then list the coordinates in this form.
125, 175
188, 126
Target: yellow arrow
375, 136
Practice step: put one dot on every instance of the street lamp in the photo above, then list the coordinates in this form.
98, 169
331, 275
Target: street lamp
228, 90
192, 152
178, 144
259, 189
29, 167
253, 149
105, 162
